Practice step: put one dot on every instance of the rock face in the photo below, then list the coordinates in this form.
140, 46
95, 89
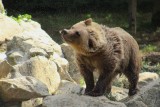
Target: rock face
147, 77
30, 44
43, 69
68, 87
73, 68
22, 88
9, 28
73, 100
5, 69
63, 67
35, 102
28, 71
149, 96
1, 7
118, 93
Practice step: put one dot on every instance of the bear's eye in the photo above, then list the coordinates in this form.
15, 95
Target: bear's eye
77, 33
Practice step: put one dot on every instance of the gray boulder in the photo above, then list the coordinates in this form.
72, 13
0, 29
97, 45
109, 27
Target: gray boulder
34, 102
73, 100
68, 87
30, 44
42, 69
148, 96
29, 52
62, 67
5, 69
22, 88
9, 28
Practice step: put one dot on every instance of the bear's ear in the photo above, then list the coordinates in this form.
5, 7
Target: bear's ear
88, 21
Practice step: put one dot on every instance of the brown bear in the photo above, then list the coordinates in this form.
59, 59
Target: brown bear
110, 51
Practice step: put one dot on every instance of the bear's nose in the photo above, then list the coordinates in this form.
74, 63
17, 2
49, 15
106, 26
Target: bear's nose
64, 31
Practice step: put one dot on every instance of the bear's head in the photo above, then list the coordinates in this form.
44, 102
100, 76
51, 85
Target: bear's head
86, 37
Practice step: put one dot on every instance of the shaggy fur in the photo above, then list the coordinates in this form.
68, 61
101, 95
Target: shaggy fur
109, 50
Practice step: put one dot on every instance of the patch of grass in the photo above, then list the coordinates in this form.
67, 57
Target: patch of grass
149, 48
146, 67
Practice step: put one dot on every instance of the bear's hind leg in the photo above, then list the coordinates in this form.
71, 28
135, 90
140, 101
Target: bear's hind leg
133, 75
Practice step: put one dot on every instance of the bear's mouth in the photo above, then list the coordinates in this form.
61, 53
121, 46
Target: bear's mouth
65, 38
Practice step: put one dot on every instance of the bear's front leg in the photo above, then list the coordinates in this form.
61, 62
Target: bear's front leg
88, 78
103, 84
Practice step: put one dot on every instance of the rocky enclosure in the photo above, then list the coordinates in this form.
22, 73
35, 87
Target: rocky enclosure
35, 71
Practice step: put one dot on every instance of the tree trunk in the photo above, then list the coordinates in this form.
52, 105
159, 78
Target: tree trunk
156, 13
132, 16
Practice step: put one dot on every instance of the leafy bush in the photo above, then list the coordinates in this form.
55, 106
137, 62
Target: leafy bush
149, 48
25, 17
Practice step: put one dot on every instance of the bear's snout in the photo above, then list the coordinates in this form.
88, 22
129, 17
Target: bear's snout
64, 32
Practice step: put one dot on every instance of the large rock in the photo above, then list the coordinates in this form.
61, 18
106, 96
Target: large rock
62, 66
5, 69
38, 67
3, 46
22, 88
148, 96
8, 28
31, 44
146, 77
42, 69
118, 93
1, 7
35, 102
73, 68
28, 53
73, 100
68, 87
29, 25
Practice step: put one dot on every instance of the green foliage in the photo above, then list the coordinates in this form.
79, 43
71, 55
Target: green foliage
88, 15
82, 82
111, 97
147, 67
109, 18
149, 48
25, 17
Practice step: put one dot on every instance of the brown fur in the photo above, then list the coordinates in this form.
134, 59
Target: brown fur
110, 50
